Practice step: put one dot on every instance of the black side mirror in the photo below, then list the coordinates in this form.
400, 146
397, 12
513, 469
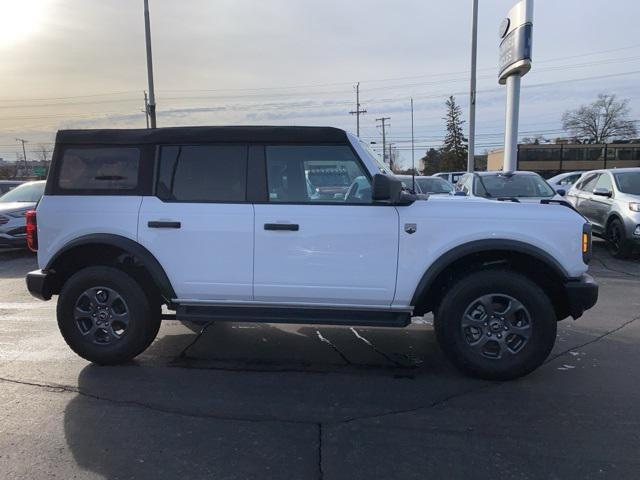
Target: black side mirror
561, 191
385, 188
460, 193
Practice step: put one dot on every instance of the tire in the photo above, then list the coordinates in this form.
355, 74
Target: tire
512, 344
113, 296
617, 242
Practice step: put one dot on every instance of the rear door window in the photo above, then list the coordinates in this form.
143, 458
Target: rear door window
100, 168
203, 173
589, 183
604, 182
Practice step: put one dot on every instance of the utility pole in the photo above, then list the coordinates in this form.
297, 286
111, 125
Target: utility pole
152, 97
357, 111
391, 156
384, 125
413, 152
472, 93
24, 153
146, 107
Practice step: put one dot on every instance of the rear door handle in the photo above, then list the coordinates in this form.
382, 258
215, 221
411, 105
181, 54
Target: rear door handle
292, 227
160, 224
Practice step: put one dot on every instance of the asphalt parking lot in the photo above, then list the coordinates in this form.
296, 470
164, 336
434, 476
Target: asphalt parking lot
240, 401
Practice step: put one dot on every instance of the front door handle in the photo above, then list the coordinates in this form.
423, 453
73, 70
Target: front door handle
292, 227
162, 224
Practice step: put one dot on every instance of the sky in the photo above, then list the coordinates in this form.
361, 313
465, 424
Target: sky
81, 64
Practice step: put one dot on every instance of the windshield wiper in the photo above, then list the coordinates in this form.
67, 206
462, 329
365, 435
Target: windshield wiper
486, 190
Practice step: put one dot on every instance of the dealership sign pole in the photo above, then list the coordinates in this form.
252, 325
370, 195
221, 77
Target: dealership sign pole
516, 32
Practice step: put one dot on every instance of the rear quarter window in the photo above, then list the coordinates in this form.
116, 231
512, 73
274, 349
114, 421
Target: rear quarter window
113, 169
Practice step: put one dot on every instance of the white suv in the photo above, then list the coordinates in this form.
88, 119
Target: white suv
226, 223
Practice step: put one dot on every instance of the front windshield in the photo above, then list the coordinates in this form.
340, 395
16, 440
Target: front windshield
434, 185
628, 182
28, 192
519, 186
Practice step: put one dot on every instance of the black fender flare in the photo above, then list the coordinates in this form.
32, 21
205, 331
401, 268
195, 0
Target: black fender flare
482, 246
132, 247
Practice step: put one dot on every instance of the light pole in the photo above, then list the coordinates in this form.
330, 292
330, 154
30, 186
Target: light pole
472, 87
152, 97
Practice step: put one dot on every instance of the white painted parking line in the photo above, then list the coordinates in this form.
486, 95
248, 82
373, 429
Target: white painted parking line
25, 305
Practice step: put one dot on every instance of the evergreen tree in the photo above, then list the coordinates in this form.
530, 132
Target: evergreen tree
455, 146
432, 162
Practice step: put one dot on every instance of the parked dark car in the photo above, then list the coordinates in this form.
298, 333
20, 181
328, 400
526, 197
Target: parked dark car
427, 185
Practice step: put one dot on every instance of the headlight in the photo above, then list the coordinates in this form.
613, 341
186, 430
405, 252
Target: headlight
634, 207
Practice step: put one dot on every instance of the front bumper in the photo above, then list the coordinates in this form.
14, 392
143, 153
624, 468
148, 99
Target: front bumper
39, 284
581, 294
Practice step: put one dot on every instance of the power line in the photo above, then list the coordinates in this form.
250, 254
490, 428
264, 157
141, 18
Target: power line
336, 84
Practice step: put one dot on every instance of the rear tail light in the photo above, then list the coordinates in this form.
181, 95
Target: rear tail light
32, 231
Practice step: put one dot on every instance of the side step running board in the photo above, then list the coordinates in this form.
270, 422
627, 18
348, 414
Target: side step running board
368, 318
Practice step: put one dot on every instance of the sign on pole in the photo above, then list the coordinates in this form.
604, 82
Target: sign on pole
516, 43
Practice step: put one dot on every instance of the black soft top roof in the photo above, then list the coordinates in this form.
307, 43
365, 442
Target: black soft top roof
171, 135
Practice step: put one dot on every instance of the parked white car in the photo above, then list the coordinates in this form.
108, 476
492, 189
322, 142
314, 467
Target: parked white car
451, 177
519, 186
221, 224
564, 181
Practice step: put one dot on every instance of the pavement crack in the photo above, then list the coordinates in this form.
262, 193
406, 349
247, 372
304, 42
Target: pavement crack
434, 404
183, 353
376, 349
335, 349
593, 340
57, 388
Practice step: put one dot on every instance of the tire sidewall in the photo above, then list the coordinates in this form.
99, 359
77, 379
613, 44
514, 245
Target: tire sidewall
622, 251
140, 328
543, 324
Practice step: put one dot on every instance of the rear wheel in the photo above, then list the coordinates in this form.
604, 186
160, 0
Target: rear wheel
496, 324
105, 316
617, 239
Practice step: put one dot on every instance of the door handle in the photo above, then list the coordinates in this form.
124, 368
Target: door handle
160, 224
291, 227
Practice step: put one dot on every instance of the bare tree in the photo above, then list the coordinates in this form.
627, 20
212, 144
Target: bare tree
535, 140
604, 119
43, 153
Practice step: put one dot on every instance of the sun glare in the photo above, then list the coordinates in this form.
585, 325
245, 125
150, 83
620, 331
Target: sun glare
20, 18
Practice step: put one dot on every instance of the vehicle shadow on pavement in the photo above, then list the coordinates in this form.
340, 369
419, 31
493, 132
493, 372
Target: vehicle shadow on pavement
245, 401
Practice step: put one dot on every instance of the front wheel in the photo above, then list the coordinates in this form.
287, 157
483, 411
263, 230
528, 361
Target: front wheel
617, 239
496, 324
105, 316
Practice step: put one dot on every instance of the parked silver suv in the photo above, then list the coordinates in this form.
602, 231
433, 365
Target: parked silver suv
610, 199
13, 208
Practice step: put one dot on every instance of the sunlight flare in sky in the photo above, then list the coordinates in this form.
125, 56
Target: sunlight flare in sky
20, 18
